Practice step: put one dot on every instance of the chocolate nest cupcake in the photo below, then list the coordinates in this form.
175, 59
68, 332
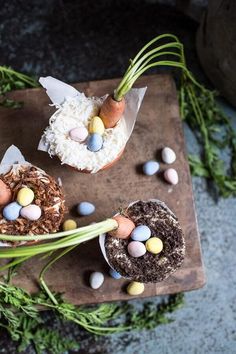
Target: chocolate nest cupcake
150, 267
48, 197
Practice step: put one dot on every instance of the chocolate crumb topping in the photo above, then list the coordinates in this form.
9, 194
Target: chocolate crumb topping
149, 268
48, 196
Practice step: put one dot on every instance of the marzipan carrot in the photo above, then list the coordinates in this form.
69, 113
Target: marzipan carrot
114, 105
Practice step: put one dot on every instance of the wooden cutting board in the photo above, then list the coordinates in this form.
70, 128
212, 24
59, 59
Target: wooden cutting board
158, 125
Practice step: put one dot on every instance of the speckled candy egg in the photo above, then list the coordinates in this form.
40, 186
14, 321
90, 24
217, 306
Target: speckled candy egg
168, 155
95, 142
78, 134
136, 249
5, 193
96, 126
150, 168
96, 280
69, 224
141, 233
85, 208
171, 176
25, 196
114, 274
154, 245
12, 211
135, 288
31, 212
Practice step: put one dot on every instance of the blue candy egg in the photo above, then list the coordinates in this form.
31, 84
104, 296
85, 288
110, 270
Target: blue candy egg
95, 142
85, 208
141, 233
12, 211
150, 168
114, 274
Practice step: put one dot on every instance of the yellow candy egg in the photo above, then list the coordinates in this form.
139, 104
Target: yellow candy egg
25, 196
69, 225
154, 245
96, 126
135, 288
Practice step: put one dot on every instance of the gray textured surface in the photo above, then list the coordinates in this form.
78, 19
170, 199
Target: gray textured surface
86, 40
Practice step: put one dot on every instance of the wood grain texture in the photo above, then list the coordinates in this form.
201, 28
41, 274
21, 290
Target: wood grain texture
158, 125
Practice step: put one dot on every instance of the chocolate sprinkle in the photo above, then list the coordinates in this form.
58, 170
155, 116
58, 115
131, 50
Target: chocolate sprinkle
149, 268
48, 196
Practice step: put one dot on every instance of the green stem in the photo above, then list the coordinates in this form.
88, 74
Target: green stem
46, 267
43, 237
13, 263
75, 239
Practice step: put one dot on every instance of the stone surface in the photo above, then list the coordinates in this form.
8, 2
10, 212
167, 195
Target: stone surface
54, 38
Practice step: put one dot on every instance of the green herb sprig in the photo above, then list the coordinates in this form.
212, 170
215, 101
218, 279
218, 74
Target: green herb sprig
21, 318
13, 80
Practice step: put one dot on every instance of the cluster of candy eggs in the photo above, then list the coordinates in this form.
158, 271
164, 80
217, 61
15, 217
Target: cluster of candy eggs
93, 136
140, 237
22, 206
170, 174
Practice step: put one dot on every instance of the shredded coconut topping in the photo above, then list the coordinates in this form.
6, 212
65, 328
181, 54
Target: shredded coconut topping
77, 112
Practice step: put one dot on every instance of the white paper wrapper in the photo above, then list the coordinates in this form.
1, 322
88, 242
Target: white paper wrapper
102, 238
58, 92
12, 158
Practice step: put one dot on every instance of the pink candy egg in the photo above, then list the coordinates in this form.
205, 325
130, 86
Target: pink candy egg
78, 134
136, 249
171, 176
31, 212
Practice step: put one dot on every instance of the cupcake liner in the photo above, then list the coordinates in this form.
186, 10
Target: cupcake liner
58, 92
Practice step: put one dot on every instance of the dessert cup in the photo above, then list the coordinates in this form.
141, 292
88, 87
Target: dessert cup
149, 268
16, 173
75, 110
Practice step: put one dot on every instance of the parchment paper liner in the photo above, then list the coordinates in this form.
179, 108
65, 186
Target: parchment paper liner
59, 91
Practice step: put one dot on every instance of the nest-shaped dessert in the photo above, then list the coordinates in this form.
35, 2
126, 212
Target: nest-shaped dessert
78, 113
150, 267
48, 196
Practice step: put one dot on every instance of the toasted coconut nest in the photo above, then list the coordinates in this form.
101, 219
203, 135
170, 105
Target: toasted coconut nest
48, 196
150, 267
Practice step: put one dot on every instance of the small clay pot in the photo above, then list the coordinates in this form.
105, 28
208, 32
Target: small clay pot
108, 165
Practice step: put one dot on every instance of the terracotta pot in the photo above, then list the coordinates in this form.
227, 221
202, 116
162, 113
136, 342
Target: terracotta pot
108, 165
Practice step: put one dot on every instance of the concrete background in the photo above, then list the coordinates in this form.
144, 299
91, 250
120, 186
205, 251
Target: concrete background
86, 40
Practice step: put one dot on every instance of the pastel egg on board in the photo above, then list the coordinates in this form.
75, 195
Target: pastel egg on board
85, 208
96, 125
96, 280
69, 224
171, 176
151, 167
154, 245
12, 211
114, 274
31, 212
78, 134
135, 288
125, 227
95, 142
141, 233
5, 193
136, 249
168, 155
25, 196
